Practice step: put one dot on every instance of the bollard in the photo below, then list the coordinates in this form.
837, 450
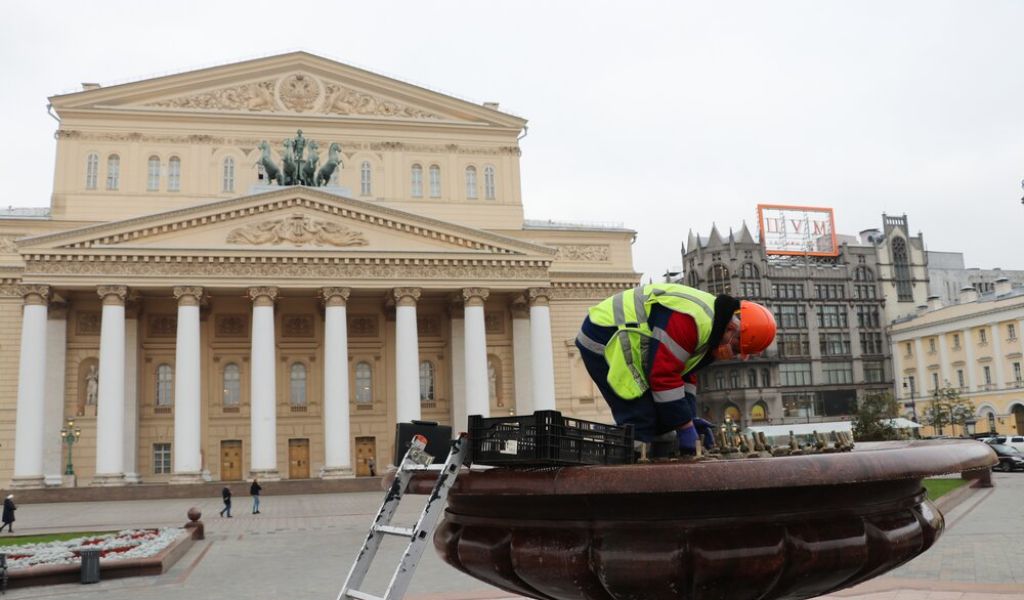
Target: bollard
90, 566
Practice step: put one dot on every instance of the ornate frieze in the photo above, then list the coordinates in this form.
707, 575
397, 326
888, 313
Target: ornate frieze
297, 326
363, 326
297, 229
299, 92
584, 252
231, 326
255, 96
7, 244
342, 100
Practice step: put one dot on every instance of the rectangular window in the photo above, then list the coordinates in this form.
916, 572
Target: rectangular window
834, 344
790, 316
983, 336
935, 381
910, 349
1016, 373
832, 316
798, 405
788, 290
1011, 331
912, 384
956, 341
751, 289
931, 345
870, 342
829, 291
766, 378
874, 371
793, 345
174, 174
864, 292
838, 372
161, 459
960, 378
988, 375
791, 374
867, 317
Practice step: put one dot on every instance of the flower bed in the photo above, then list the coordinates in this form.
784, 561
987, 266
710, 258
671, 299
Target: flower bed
126, 544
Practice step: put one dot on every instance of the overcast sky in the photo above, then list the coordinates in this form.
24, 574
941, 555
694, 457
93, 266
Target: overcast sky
662, 116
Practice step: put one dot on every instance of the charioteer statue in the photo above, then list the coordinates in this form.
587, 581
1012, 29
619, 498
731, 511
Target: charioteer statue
297, 167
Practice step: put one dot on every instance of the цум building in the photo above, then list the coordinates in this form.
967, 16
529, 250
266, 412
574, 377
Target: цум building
199, 323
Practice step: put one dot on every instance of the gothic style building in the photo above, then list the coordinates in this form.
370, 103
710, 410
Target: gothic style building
199, 321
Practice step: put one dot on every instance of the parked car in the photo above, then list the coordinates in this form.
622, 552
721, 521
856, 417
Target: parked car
1017, 441
1010, 458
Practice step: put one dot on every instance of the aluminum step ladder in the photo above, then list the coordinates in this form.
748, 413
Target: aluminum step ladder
416, 460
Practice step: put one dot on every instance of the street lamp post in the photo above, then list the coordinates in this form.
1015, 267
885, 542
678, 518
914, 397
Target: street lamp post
69, 434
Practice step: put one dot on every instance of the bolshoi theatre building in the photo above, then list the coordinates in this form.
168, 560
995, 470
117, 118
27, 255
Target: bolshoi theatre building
258, 269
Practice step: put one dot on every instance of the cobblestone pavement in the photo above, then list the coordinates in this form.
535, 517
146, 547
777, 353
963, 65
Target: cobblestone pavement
300, 547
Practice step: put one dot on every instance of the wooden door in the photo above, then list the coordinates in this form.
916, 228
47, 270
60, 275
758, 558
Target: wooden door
366, 449
298, 459
231, 460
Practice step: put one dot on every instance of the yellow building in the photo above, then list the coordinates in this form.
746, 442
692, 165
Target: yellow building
199, 321
973, 346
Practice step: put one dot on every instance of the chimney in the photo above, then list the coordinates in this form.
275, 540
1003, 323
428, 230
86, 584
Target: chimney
90, 86
1003, 286
968, 294
934, 303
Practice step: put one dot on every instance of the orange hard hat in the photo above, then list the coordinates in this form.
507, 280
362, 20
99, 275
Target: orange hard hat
757, 327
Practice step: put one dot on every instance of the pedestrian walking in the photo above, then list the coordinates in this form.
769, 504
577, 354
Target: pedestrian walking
9, 509
254, 491
372, 465
226, 495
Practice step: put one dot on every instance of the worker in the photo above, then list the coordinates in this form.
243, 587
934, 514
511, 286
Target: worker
644, 346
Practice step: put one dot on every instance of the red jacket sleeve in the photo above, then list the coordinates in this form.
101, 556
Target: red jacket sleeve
678, 341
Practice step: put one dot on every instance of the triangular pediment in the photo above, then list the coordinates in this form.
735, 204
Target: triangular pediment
297, 83
287, 220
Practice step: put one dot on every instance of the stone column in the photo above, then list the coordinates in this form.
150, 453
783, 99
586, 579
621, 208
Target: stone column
131, 393
188, 463
110, 405
407, 355
521, 355
29, 419
944, 361
263, 386
997, 357
337, 442
922, 374
969, 356
898, 375
459, 413
540, 347
477, 385
56, 365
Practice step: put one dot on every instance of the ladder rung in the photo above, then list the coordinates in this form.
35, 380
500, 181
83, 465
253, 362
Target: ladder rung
391, 530
361, 595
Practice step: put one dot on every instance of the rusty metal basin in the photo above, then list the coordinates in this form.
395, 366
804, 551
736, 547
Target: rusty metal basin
787, 527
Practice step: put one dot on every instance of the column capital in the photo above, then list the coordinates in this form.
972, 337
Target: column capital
335, 296
112, 295
539, 296
188, 295
406, 296
263, 295
520, 307
475, 296
35, 293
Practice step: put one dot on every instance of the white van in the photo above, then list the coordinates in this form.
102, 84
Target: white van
1017, 441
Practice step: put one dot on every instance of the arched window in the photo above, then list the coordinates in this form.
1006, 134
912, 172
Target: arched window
694, 279
365, 179
471, 183
417, 181
718, 279
435, 181
164, 383
153, 174
991, 418
92, 169
749, 271
174, 174
232, 385
364, 383
734, 415
298, 385
751, 378
759, 412
489, 191
113, 171
901, 266
426, 382
228, 180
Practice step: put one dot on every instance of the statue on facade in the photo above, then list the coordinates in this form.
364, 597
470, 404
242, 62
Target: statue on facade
297, 166
92, 386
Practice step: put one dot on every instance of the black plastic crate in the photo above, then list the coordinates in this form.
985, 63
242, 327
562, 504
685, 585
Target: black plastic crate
546, 438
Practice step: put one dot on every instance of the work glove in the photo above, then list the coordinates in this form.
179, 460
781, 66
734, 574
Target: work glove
706, 430
687, 436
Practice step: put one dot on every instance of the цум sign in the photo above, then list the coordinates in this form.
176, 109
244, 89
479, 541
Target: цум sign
797, 230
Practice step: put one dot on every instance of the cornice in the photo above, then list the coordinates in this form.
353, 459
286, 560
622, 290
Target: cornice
961, 321
283, 199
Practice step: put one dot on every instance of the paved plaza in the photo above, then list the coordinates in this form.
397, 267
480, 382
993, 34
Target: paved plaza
300, 547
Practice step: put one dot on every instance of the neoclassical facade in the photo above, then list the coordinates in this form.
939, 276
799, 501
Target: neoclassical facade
199, 321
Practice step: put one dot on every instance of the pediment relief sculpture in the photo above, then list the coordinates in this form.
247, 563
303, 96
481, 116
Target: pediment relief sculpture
298, 93
297, 229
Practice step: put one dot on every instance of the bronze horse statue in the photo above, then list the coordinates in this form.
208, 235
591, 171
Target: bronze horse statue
333, 161
290, 166
308, 175
273, 173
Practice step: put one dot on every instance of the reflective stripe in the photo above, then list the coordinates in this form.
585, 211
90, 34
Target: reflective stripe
677, 351
627, 356
587, 342
639, 298
691, 388
618, 310
703, 305
668, 395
